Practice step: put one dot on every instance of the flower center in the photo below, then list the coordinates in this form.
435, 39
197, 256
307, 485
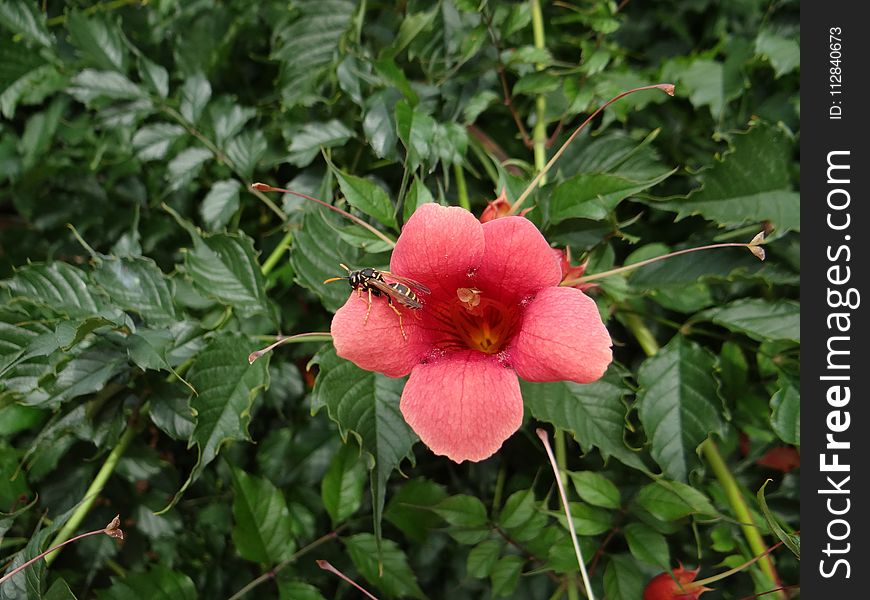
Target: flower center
478, 322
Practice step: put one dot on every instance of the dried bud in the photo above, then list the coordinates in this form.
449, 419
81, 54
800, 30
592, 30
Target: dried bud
755, 246
676, 585
569, 272
113, 528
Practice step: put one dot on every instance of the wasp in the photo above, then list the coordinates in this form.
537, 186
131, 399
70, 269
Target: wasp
401, 290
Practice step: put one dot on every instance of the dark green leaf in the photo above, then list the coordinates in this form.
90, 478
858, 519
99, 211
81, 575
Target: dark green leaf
679, 405
100, 41
506, 575
26, 19
91, 84
671, 500
482, 558
262, 521
306, 143
158, 582
622, 579
593, 413
782, 52
195, 94
367, 197
152, 141
220, 204
647, 545
226, 386
595, 489
785, 415
138, 285
342, 486
749, 184
791, 541
759, 319
372, 559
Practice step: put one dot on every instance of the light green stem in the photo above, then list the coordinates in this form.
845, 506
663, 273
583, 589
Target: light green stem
718, 465
94, 490
741, 510
277, 253
461, 188
539, 134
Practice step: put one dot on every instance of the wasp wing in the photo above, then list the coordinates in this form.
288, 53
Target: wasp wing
412, 283
393, 293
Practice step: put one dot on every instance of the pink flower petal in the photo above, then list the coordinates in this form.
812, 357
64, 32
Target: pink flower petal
562, 338
463, 406
438, 246
377, 345
518, 260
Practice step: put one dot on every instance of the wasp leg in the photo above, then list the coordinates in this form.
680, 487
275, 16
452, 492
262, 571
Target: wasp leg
401, 325
368, 310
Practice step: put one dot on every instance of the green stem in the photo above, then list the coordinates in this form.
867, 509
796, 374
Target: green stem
95, 488
539, 134
631, 267
277, 253
298, 554
461, 188
720, 469
741, 509
668, 88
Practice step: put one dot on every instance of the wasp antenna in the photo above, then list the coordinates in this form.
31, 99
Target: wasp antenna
344, 266
331, 279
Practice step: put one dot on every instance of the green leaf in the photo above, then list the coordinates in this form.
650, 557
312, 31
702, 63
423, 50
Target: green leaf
186, 165
100, 41
62, 288
227, 385
679, 404
152, 141
297, 590
228, 119
91, 84
373, 558
26, 19
342, 486
195, 94
138, 285
672, 500
305, 49
784, 54
367, 197
155, 76
245, 151
318, 249
594, 195
595, 489
536, 83
85, 374
220, 204
704, 81
366, 405
622, 579
311, 137
647, 545
379, 124
224, 266
506, 575
593, 413
415, 129
750, 184
412, 25
462, 511
759, 319
483, 558
59, 590
791, 541
519, 508
785, 412
262, 529
158, 582
408, 508
395, 77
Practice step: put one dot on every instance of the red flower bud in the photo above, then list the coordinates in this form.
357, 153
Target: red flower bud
781, 458
498, 208
676, 585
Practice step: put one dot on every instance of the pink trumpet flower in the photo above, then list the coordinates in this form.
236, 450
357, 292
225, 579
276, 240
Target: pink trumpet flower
495, 312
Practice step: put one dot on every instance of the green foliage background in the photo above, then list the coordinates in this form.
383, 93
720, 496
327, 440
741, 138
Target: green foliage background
142, 126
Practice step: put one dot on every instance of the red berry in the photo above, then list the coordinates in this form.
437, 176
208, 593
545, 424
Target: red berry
676, 585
